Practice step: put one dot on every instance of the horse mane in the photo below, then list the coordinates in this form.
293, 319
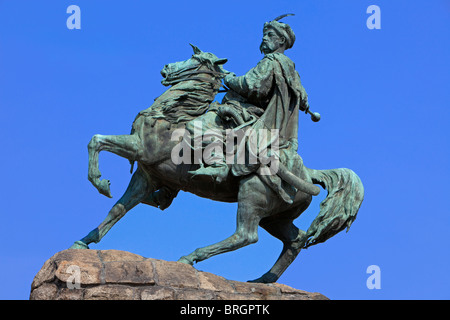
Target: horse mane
182, 102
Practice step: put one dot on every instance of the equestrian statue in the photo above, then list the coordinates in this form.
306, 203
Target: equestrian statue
242, 150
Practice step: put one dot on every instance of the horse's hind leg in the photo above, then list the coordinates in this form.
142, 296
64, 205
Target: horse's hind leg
245, 234
293, 241
138, 190
126, 146
248, 217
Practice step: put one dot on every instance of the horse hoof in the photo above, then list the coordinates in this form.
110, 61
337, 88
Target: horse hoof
265, 278
103, 188
79, 245
186, 261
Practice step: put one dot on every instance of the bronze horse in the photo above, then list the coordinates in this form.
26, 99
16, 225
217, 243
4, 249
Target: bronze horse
194, 84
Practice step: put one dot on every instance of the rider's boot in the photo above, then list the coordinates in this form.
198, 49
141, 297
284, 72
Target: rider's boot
218, 171
162, 198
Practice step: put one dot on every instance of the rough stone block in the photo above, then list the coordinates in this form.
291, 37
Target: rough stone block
121, 275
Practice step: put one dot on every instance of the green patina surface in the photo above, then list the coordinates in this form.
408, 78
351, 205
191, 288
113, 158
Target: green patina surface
269, 96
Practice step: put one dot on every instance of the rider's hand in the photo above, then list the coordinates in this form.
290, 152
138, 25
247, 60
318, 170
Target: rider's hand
228, 77
304, 105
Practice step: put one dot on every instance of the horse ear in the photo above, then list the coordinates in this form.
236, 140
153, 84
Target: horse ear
196, 49
220, 61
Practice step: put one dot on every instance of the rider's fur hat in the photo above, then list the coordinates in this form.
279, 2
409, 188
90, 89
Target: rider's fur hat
282, 29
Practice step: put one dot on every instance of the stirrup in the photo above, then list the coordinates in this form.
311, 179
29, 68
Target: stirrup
218, 173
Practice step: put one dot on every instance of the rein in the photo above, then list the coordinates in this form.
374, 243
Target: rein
186, 73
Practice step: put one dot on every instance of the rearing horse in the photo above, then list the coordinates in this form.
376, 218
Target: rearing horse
194, 84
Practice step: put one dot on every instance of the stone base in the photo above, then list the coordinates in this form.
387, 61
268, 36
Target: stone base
119, 275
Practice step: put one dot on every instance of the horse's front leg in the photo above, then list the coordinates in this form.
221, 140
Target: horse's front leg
138, 190
126, 146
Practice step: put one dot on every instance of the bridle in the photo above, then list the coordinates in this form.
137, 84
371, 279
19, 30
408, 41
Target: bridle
192, 72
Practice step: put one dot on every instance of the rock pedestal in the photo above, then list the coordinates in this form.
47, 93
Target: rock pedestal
119, 275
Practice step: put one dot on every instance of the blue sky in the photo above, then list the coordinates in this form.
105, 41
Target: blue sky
383, 96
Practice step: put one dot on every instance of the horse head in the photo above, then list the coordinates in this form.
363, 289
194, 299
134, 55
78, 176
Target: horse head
202, 66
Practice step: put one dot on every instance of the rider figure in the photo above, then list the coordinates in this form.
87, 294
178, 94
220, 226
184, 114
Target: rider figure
273, 86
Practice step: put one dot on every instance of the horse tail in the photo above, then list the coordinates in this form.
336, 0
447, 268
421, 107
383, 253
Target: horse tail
338, 210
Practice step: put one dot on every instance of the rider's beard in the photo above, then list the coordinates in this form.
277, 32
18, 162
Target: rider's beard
265, 47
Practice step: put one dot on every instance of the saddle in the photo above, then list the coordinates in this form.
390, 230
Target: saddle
283, 177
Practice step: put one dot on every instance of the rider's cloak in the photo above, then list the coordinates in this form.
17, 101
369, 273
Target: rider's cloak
273, 85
